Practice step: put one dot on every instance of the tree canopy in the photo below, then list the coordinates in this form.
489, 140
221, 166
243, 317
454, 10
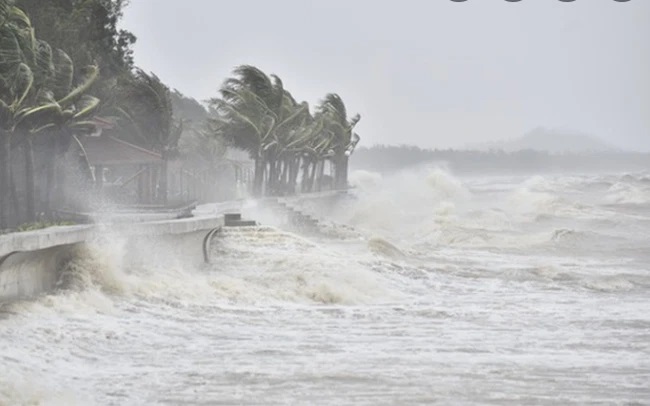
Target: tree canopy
65, 66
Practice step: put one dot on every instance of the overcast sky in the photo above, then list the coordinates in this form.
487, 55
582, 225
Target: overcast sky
435, 73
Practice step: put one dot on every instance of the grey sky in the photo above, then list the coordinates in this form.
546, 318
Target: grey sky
429, 72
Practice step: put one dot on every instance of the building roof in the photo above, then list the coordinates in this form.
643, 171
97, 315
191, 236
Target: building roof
106, 150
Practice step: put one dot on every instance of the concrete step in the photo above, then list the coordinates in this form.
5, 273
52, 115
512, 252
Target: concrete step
240, 223
231, 217
235, 220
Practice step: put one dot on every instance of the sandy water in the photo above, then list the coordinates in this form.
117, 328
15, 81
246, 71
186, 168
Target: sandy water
442, 290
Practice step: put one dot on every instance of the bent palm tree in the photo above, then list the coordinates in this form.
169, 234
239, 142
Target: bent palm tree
341, 129
36, 96
148, 108
259, 116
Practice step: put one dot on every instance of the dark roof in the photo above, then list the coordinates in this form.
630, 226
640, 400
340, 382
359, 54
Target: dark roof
107, 150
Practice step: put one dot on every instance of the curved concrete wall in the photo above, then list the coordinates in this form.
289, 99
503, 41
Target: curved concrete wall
27, 274
30, 262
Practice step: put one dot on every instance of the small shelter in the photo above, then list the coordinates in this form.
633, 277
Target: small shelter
126, 172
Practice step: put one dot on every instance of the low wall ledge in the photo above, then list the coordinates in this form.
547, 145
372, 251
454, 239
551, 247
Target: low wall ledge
63, 235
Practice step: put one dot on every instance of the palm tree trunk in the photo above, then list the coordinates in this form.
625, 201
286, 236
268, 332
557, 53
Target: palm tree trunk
5, 169
284, 178
30, 202
321, 172
258, 177
305, 175
312, 175
341, 171
273, 177
294, 170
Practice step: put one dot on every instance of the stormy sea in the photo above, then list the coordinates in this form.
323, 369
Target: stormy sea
419, 288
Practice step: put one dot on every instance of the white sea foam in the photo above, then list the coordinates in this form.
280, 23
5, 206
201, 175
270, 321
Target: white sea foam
628, 193
524, 289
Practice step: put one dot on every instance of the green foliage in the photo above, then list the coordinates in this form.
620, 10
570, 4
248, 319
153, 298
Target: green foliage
45, 93
147, 108
86, 30
255, 113
37, 90
189, 110
338, 125
197, 144
37, 96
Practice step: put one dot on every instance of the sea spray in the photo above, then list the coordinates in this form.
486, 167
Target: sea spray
486, 296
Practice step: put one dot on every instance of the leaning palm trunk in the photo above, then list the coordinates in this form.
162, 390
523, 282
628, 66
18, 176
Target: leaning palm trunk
276, 178
341, 171
284, 175
321, 173
305, 175
312, 176
294, 170
273, 177
5, 169
258, 177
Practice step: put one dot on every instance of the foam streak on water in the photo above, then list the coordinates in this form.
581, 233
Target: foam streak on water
452, 291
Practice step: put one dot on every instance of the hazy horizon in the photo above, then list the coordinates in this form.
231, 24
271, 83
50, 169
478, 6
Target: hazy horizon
433, 74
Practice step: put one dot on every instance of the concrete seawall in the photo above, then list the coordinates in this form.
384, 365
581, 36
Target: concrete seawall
30, 261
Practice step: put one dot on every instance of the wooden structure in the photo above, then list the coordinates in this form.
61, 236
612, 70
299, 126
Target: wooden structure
122, 171
126, 174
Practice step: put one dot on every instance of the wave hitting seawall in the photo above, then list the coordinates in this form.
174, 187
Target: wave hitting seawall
31, 262
427, 288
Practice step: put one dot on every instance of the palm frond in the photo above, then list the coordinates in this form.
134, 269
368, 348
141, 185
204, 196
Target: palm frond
44, 65
5, 6
61, 81
85, 106
22, 84
90, 76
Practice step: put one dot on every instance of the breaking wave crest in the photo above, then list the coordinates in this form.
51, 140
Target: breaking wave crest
628, 193
423, 257
93, 266
266, 263
249, 266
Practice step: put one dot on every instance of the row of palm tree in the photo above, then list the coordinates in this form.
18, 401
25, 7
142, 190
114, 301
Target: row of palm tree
44, 98
41, 95
257, 114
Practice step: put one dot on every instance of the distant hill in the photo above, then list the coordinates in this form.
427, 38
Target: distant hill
548, 140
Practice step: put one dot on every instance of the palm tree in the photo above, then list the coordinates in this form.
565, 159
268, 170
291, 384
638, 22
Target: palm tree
16, 81
340, 128
36, 97
258, 114
148, 108
245, 109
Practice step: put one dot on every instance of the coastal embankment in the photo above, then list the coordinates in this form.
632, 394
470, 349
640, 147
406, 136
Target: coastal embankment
31, 261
